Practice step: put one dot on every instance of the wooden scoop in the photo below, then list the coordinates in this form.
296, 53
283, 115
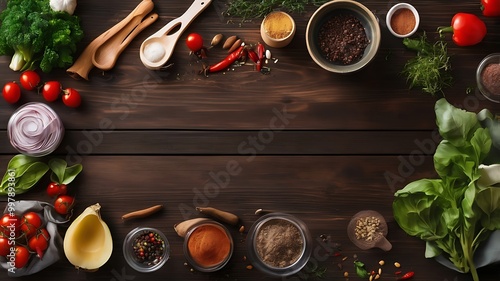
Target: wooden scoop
85, 62
163, 42
377, 239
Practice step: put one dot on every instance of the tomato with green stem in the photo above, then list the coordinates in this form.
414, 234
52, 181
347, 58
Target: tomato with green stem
55, 189
30, 223
64, 204
30, 80
21, 256
51, 90
11, 92
71, 98
10, 224
4, 246
39, 242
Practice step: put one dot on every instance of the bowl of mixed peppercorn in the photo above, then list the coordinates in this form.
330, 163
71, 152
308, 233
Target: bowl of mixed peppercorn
146, 249
343, 36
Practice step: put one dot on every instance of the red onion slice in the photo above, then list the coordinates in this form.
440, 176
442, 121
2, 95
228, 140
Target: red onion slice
35, 129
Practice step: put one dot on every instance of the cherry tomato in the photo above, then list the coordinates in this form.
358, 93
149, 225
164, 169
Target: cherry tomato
4, 246
10, 224
30, 223
71, 98
194, 42
29, 80
55, 189
39, 242
22, 256
64, 204
11, 92
51, 91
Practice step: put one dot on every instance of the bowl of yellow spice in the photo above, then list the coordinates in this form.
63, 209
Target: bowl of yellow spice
277, 29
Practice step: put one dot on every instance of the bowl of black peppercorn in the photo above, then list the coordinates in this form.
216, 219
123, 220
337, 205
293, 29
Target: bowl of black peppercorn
343, 36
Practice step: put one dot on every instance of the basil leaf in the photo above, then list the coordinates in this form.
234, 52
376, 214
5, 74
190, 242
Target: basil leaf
71, 173
58, 167
360, 269
18, 164
34, 172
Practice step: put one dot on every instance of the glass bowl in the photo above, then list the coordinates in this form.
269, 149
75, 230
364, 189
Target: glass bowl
213, 243
131, 249
488, 77
280, 233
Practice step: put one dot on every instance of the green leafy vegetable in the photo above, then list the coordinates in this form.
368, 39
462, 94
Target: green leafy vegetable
36, 36
257, 9
452, 213
22, 173
61, 173
430, 68
360, 269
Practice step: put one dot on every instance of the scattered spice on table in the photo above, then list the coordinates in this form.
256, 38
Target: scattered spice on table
148, 248
403, 21
343, 39
279, 243
491, 78
209, 245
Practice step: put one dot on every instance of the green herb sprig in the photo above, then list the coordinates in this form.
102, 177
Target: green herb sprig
430, 68
258, 9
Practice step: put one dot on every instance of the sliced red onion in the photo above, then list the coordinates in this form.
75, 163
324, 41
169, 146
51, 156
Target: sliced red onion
35, 129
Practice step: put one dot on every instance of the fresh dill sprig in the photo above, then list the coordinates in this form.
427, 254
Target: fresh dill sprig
430, 69
252, 9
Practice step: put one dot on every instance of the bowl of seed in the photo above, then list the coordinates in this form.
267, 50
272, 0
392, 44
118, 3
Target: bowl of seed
368, 229
146, 249
343, 36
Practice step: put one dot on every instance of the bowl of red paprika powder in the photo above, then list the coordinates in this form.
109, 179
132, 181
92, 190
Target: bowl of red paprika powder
208, 246
343, 36
488, 77
402, 20
279, 244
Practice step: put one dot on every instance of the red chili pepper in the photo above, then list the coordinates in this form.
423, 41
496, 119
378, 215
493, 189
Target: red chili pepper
490, 8
253, 55
467, 29
225, 63
261, 51
407, 276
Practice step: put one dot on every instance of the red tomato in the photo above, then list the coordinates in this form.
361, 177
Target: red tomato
4, 246
11, 92
64, 204
10, 224
55, 189
194, 42
51, 91
40, 242
71, 98
30, 80
30, 222
22, 256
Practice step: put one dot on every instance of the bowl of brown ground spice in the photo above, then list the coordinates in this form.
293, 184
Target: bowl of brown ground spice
279, 244
488, 77
402, 20
343, 36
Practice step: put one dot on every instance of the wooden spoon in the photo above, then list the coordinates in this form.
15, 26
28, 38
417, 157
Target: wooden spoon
163, 42
105, 55
84, 63
378, 238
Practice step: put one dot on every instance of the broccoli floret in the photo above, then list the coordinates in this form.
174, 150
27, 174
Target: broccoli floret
36, 36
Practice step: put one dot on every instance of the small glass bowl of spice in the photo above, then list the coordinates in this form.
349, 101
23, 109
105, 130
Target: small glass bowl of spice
208, 246
277, 29
488, 77
146, 249
279, 244
402, 20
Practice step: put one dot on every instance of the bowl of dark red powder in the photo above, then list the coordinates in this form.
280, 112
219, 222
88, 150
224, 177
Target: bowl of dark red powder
343, 36
279, 244
488, 77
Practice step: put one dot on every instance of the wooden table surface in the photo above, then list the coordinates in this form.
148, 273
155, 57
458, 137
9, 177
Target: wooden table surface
318, 145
